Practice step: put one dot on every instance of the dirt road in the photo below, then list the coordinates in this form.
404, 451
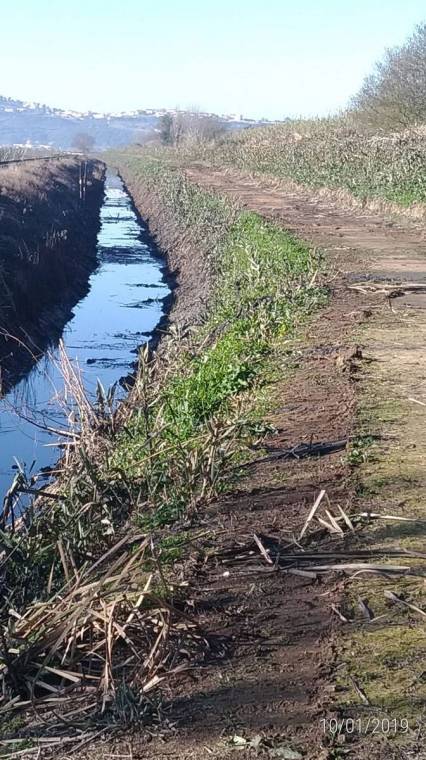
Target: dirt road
387, 394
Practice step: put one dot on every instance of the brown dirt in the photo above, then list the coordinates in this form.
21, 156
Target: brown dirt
189, 271
271, 675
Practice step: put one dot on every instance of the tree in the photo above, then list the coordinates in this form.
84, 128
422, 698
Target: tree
394, 95
189, 127
83, 142
166, 129
201, 128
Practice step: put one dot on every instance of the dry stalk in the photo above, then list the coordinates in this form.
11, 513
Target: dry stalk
107, 626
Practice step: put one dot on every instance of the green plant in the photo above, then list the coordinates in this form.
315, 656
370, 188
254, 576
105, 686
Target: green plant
360, 449
180, 441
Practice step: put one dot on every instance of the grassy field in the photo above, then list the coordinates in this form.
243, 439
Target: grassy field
325, 153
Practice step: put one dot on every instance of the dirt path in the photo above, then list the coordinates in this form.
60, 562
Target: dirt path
271, 678
362, 246
364, 242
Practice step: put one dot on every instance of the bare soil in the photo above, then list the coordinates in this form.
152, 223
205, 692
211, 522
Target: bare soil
271, 676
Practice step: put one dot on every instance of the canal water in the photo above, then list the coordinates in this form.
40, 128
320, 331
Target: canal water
124, 304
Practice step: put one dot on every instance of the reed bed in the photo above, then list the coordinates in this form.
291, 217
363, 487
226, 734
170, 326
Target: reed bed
111, 623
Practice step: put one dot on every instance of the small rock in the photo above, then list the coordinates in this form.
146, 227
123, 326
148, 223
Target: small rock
286, 753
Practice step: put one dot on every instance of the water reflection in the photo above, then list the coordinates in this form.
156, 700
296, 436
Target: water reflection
102, 336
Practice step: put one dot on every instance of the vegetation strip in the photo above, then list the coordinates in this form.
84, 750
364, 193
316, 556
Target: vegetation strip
331, 153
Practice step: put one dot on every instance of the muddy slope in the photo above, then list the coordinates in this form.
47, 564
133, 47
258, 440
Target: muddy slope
188, 272
49, 220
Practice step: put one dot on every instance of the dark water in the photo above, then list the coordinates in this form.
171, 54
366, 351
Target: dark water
123, 306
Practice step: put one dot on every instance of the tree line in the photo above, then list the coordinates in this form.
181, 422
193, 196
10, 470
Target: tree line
189, 127
393, 96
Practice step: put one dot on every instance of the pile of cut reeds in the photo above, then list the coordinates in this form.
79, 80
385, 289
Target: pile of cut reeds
112, 623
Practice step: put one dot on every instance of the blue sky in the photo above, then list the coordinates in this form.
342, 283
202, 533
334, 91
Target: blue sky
269, 58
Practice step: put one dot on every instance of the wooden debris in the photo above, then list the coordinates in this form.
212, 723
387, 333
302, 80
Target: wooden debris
328, 526
263, 551
365, 609
416, 401
364, 567
334, 522
312, 512
105, 627
361, 693
346, 519
398, 600
300, 451
399, 288
339, 614
378, 516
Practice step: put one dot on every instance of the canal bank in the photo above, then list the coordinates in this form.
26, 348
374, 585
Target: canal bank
49, 221
108, 579
124, 300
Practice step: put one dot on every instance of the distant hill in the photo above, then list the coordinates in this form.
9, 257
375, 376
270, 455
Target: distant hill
38, 124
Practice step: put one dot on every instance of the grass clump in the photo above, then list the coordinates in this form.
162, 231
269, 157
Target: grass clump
386, 663
360, 450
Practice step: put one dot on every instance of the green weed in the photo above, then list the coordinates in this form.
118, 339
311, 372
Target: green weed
360, 450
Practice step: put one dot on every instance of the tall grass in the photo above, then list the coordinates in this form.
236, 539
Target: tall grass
326, 153
18, 152
12, 152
